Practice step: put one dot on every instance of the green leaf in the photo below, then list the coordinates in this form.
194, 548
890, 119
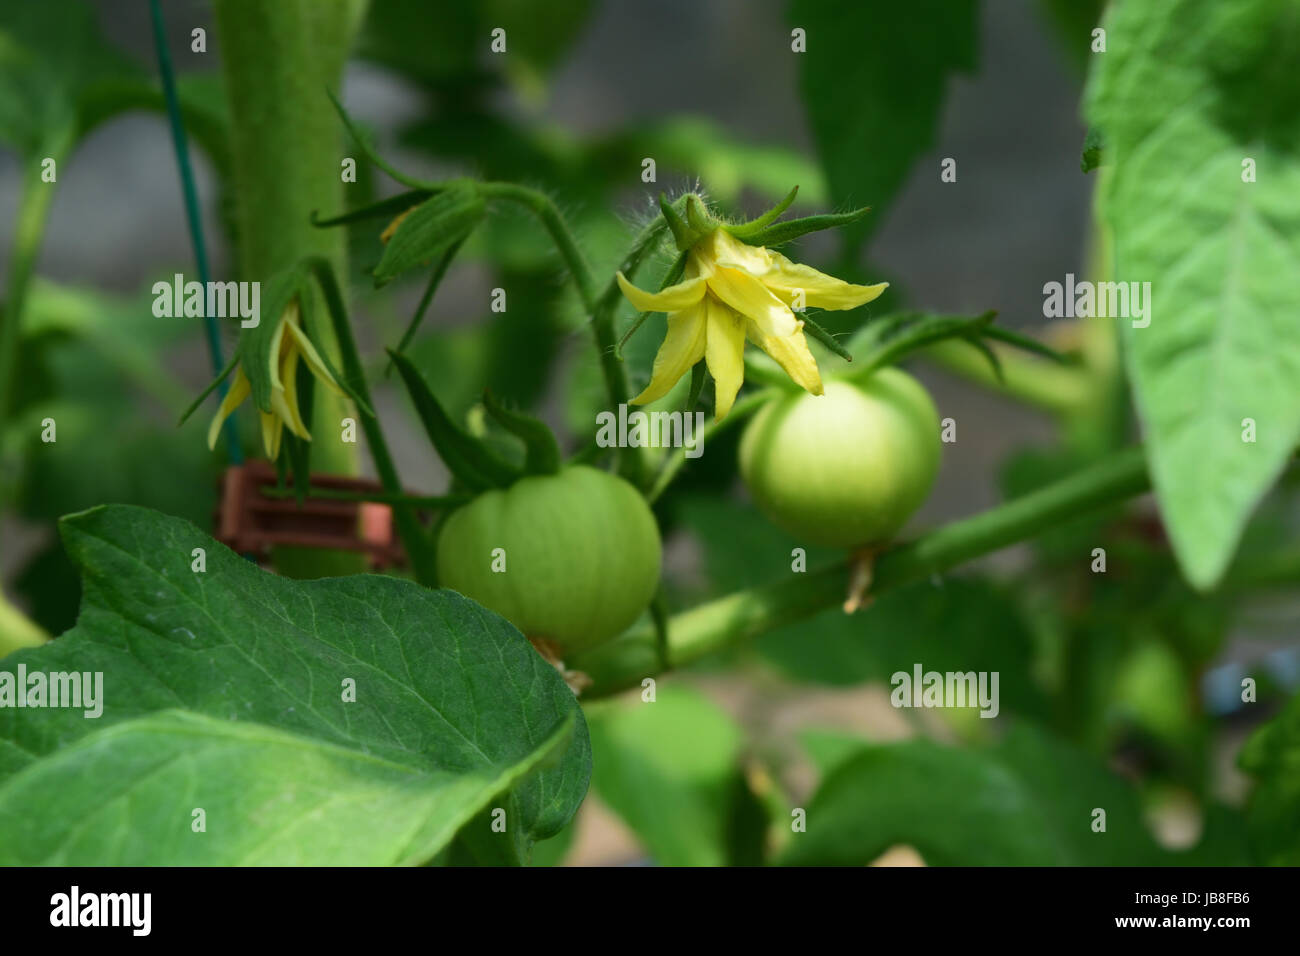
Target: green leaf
391, 206
1094, 151
464, 455
126, 795
442, 685
957, 623
873, 81
791, 229
433, 227
542, 452
1186, 93
741, 230
666, 768
52, 58
256, 343
1027, 802
444, 51
1272, 757
891, 338
367, 148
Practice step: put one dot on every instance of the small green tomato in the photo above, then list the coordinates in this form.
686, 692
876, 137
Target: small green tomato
846, 468
570, 559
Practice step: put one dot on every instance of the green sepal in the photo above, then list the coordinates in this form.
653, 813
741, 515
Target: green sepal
697, 217
541, 450
278, 292
338, 319
682, 234
794, 228
888, 340
747, 229
437, 224
211, 387
368, 149
1024, 342
825, 338
391, 206
470, 462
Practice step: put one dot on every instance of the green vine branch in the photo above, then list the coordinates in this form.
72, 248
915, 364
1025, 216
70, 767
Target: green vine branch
737, 617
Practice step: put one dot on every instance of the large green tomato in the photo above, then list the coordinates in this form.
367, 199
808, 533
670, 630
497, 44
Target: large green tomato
570, 559
847, 468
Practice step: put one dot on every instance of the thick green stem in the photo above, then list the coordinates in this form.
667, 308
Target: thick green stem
710, 627
279, 60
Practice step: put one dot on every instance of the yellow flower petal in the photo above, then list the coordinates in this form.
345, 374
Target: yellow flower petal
683, 346
724, 249
820, 291
277, 347
272, 429
239, 390
313, 359
284, 402
748, 296
672, 299
724, 350
791, 353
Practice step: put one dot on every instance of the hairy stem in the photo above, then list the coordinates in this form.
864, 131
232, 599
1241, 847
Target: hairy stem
600, 305
717, 624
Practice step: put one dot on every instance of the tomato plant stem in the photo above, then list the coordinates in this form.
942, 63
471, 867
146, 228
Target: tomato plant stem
278, 60
419, 546
702, 630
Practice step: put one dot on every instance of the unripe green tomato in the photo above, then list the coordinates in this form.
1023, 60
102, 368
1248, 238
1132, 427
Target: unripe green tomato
580, 551
846, 468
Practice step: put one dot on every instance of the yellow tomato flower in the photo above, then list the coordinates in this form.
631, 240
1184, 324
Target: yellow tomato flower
287, 345
732, 291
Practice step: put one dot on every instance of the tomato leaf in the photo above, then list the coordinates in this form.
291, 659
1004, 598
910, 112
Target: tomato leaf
873, 81
1201, 117
1029, 801
443, 688
127, 795
468, 459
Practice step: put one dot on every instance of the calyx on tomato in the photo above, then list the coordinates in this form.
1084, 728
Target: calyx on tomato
847, 468
571, 559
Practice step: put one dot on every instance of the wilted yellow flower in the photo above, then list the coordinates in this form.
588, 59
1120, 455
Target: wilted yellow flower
732, 291
288, 344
